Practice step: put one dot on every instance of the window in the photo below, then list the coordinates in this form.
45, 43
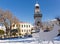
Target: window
27, 30
22, 30
19, 25
22, 25
26, 25
38, 23
29, 25
14, 25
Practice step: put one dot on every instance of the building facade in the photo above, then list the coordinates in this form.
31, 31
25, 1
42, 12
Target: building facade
24, 28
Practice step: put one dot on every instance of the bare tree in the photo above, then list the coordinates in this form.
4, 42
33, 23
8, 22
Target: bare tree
1, 15
7, 18
16, 21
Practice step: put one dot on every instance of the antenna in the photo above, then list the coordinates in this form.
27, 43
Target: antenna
36, 1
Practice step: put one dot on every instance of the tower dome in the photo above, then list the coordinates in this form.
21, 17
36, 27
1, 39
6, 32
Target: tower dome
36, 4
37, 11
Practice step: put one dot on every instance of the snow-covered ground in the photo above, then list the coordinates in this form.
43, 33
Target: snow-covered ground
33, 42
27, 41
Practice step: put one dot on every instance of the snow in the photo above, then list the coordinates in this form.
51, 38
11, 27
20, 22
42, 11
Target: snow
33, 40
36, 42
27, 41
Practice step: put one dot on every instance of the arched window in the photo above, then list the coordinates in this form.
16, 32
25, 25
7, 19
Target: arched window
22, 30
13, 25
29, 25
38, 23
22, 26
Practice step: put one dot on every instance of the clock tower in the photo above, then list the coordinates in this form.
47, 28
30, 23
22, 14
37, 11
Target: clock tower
37, 15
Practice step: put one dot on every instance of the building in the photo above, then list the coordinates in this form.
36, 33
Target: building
37, 17
24, 28
14, 26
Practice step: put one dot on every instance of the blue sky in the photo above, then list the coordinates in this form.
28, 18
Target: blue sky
24, 9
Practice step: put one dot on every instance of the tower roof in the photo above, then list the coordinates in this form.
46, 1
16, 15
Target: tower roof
36, 3
37, 10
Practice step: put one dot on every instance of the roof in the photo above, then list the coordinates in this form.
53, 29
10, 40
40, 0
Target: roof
36, 4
